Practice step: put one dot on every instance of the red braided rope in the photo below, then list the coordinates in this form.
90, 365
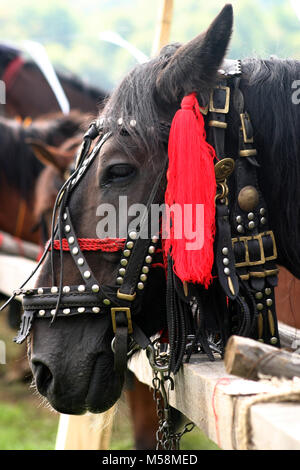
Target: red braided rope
94, 244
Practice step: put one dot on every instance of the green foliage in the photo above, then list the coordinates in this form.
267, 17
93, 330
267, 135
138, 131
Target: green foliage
70, 30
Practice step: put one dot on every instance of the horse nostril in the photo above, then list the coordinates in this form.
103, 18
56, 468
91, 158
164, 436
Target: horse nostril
43, 376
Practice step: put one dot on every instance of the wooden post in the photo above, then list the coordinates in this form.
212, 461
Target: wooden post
215, 401
10, 245
163, 29
88, 432
247, 358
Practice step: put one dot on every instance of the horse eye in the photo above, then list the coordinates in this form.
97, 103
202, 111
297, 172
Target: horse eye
118, 173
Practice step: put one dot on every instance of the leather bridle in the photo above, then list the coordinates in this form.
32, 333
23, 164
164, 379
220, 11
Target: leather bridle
121, 301
245, 249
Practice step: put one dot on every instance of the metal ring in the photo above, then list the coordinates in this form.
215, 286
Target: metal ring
134, 348
151, 358
224, 193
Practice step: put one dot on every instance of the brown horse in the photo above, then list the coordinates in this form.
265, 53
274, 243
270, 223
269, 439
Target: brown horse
29, 94
288, 298
19, 168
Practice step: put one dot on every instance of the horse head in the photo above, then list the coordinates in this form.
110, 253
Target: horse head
71, 356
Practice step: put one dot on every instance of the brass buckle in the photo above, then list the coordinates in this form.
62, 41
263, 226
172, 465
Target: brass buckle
246, 139
218, 124
263, 258
129, 297
126, 310
248, 153
224, 110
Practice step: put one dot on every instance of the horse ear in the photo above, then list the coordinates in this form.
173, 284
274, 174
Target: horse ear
194, 65
48, 155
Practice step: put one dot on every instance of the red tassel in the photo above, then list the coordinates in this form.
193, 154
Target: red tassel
191, 181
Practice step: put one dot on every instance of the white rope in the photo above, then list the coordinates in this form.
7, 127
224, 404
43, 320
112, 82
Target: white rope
287, 391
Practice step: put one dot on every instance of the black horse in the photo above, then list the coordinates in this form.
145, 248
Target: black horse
72, 361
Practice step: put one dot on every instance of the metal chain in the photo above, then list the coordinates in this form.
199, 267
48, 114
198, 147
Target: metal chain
166, 438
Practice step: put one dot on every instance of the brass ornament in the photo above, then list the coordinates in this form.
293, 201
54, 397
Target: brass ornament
185, 288
248, 198
260, 325
230, 285
223, 169
271, 323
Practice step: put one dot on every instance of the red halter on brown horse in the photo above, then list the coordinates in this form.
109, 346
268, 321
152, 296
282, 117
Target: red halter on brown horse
21, 77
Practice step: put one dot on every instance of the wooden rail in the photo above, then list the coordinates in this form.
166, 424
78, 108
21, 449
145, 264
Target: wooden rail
215, 402
204, 392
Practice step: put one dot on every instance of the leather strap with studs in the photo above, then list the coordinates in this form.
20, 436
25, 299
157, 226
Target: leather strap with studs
253, 242
138, 254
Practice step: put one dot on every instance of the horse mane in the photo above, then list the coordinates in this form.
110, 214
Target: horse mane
267, 86
136, 99
97, 95
19, 166
55, 128
7, 54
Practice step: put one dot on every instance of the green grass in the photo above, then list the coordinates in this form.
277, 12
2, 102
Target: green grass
197, 440
22, 427
122, 434
26, 425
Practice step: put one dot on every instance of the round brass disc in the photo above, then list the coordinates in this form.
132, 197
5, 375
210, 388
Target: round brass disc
248, 198
223, 169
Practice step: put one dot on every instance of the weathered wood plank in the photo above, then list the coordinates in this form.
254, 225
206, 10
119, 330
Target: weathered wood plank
212, 399
13, 272
247, 358
277, 426
88, 432
10, 245
289, 336
204, 392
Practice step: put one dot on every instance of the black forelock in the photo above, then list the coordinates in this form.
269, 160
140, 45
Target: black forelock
136, 99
